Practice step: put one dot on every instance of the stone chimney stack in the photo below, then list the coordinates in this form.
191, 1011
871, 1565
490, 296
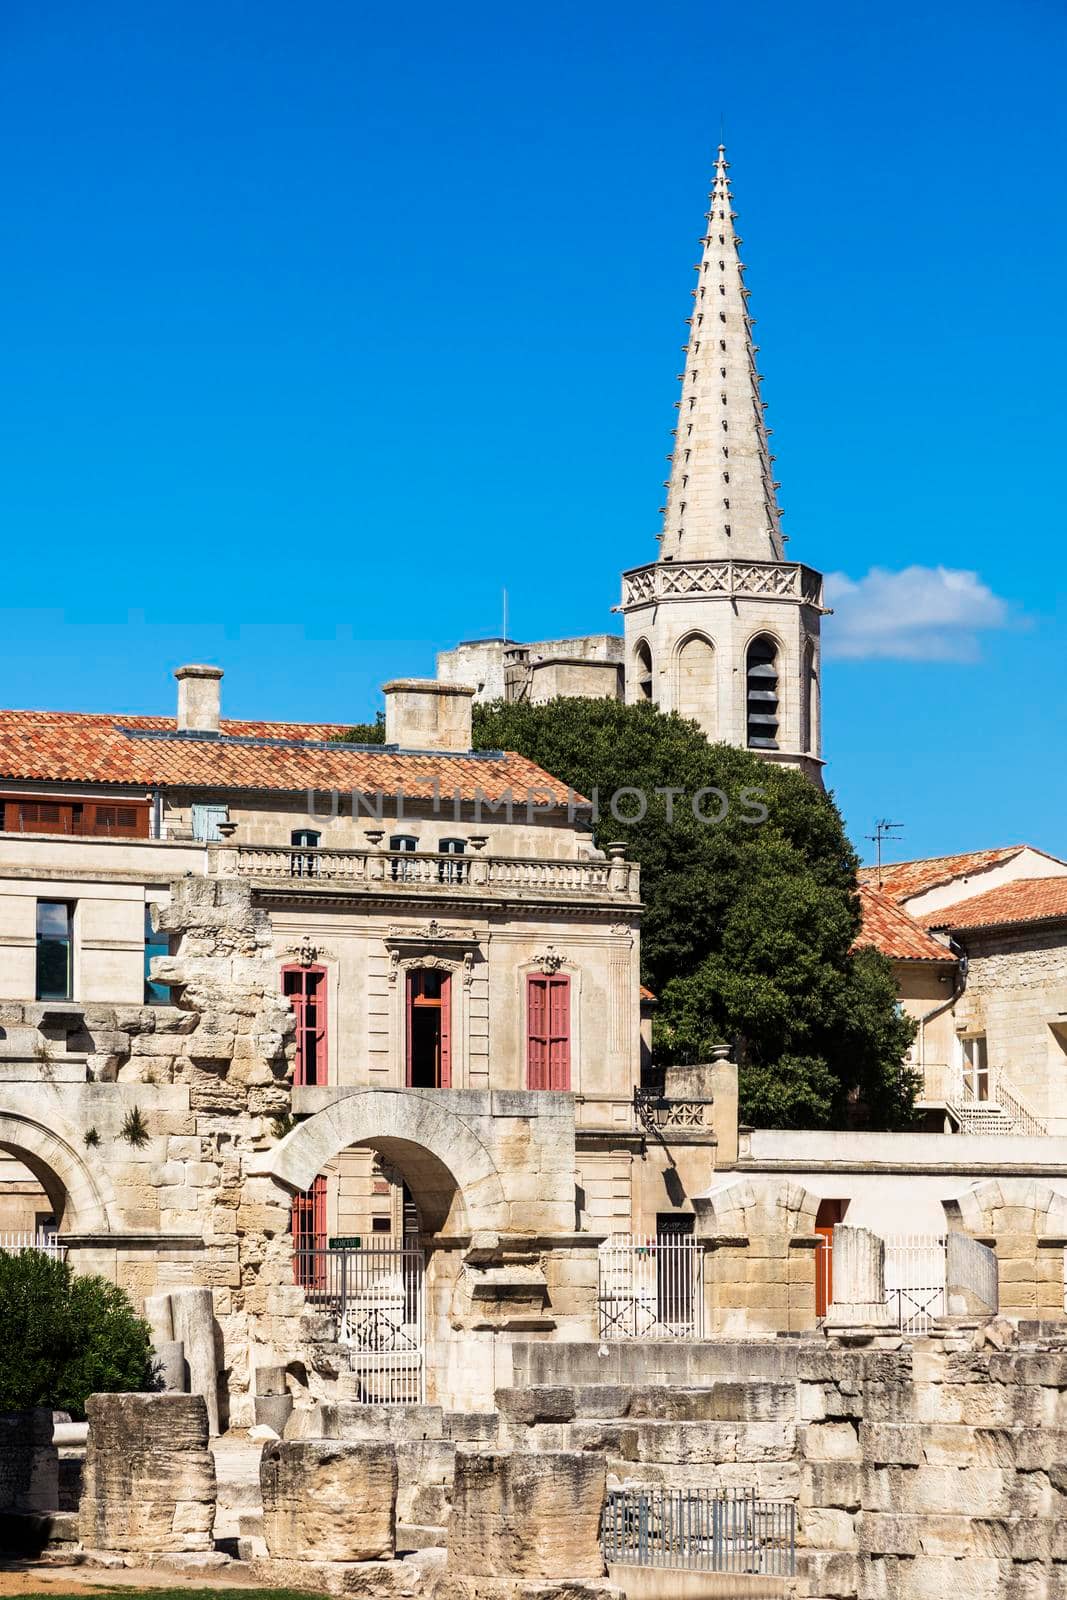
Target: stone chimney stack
199, 699
423, 714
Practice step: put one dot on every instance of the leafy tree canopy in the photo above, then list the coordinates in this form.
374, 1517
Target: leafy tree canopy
749, 926
67, 1337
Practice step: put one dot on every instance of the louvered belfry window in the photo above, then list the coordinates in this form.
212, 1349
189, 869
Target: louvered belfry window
761, 687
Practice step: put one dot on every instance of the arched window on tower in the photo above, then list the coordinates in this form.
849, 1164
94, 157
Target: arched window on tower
643, 671
810, 690
761, 686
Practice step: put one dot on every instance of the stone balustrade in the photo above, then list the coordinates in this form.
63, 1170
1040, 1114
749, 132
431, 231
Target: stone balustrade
662, 580
416, 872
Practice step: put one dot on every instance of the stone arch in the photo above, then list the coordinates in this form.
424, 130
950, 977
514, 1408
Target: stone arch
760, 1272
695, 686
1025, 1220
451, 1174
746, 1207
82, 1199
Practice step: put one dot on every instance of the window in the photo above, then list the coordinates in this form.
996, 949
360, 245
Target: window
302, 865
309, 1235
403, 844
305, 988
975, 1066
429, 1029
206, 819
55, 950
643, 671
155, 944
452, 871
548, 1033
761, 687
125, 820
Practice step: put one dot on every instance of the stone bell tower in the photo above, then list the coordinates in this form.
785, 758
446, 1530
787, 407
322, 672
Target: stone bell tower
722, 628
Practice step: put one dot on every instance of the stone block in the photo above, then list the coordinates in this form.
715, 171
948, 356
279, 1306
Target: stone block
527, 1516
149, 1479
829, 1441
891, 1443
828, 1529
350, 1419
329, 1500
272, 1411
538, 1403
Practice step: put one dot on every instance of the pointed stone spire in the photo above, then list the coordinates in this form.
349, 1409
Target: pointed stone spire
721, 495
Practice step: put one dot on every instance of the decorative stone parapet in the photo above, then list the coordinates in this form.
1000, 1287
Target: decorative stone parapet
329, 1500
149, 1481
754, 580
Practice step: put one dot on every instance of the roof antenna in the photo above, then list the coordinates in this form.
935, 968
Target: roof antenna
883, 829
505, 594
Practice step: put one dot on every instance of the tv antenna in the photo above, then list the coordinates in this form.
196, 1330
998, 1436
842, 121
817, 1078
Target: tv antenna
883, 829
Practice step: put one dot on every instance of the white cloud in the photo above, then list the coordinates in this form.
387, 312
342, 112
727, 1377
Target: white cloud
918, 614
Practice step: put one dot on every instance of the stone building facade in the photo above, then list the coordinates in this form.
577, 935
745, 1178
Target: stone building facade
979, 948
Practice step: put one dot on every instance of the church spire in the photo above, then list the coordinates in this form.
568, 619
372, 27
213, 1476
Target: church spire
721, 495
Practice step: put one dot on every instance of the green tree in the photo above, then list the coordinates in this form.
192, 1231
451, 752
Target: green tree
749, 930
67, 1337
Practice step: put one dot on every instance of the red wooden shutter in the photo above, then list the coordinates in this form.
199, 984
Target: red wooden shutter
536, 1033
446, 1033
305, 989
559, 1033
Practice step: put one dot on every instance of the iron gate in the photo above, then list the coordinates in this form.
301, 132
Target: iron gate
378, 1296
915, 1279
699, 1530
651, 1287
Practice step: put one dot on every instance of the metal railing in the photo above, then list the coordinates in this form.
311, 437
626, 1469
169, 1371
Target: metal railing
1002, 1108
425, 869
49, 1244
699, 1530
651, 1287
378, 1297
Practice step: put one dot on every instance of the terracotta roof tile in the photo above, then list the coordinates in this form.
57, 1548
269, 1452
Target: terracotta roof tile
894, 932
903, 879
81, 747
1027, 900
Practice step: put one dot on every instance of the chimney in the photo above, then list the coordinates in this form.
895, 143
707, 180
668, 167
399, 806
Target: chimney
423, 714
199, 699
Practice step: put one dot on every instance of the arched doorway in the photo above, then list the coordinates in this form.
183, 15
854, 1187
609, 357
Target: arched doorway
407, 1160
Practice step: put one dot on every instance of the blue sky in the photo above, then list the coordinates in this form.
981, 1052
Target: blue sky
322, 324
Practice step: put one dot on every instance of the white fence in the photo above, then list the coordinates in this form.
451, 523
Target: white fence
49, 1244
651, 1287
915, 1279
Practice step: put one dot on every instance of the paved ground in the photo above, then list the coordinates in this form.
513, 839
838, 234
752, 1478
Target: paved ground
26, 1578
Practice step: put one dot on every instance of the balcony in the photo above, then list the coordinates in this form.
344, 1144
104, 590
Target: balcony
426, 873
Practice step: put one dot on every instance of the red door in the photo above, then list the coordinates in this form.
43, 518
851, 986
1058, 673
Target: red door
428, 1048
309, 1235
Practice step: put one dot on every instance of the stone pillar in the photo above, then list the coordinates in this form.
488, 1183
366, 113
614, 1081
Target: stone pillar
149, 1482
29, 1462
527, 1516
329, 1499
859, 1301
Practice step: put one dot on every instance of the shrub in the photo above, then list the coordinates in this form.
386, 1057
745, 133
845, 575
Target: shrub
67, 1337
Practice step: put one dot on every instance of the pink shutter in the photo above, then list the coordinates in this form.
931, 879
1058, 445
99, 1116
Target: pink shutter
445, 1076
536, 1034
559, 1028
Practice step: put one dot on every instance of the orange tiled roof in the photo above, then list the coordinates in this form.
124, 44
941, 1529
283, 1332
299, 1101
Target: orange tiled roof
646, 994
148, 752
903, 879
894, 932
1028, 900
